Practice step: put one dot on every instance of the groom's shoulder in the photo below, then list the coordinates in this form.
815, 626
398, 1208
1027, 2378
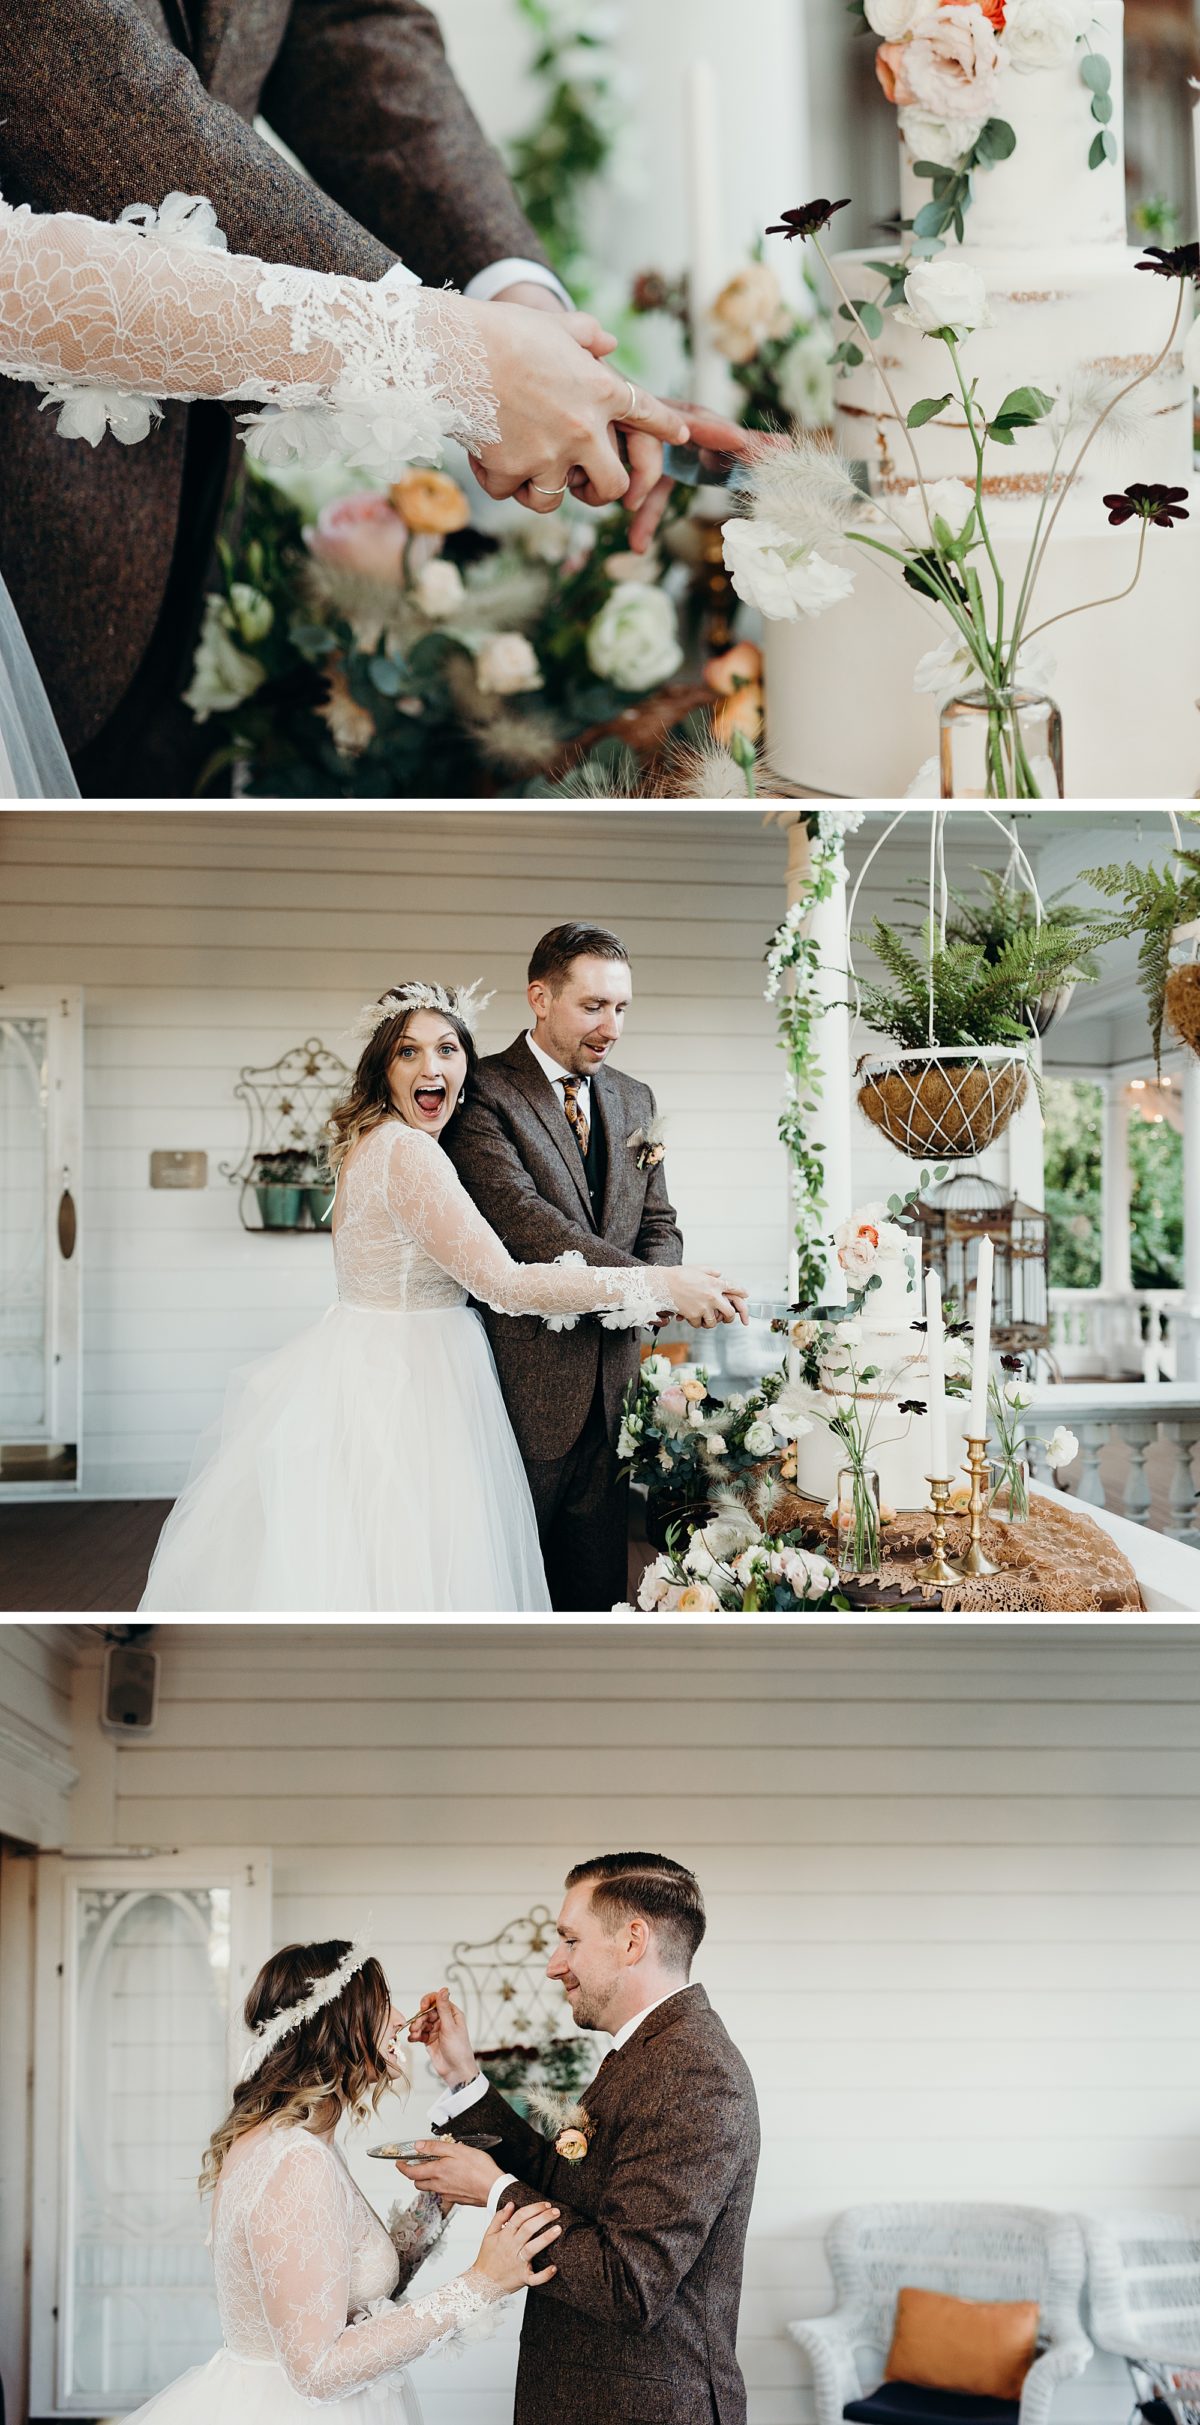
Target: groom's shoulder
699, 2033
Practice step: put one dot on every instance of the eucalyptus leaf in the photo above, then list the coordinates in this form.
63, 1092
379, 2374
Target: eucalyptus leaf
1096, 72
1102, 107
997, 142
871, 318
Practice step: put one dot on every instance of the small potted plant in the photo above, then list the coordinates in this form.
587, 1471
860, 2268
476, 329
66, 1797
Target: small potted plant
318, 1187
1158, 900
278, 1183
1007, 912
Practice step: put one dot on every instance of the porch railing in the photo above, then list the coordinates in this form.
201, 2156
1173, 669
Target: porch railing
1137, 1414
1141, 1333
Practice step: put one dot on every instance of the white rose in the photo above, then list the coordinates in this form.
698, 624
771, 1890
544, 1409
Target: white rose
634, 641
950, 501
506, 664
806, 378
1062, 1447
1043, 33
715, 1446
759, 1438
1191, 353
439, 589
790, 1415
893, 19
782, 578
945, 141
958, 1359
657, 1371
1018, 1395
952, 63
655, 1584
945, 294
222, 676
808, 1574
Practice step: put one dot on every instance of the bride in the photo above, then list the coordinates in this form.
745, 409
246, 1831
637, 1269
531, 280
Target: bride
108, 320
305, 2271
370, 1464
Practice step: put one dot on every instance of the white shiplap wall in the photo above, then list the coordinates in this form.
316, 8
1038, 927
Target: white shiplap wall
953, 1880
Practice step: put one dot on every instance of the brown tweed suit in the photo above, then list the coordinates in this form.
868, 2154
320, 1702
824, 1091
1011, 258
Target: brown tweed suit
107, 102
640, 2323
516, 1156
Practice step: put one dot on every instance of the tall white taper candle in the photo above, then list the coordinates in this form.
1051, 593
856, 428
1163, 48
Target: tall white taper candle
706, 258
935, 1349
982, 1347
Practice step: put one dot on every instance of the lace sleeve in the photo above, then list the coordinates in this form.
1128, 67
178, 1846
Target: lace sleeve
414, 2231
299, 2238
108, 320
428, 1199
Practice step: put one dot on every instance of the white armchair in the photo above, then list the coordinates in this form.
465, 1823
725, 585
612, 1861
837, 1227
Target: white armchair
969, 2252
1144, 2298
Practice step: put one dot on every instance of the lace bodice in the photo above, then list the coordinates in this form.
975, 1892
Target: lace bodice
107, 320
305, 2271
407, 1236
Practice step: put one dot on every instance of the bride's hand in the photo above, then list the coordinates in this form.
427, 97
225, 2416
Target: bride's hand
440, 2027
559, 405
511, 2242
701, 1299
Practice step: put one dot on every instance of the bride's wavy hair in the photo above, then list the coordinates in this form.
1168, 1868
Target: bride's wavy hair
367, 1099
334, 2058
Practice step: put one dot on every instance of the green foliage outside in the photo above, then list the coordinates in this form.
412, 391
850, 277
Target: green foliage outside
1074, 1133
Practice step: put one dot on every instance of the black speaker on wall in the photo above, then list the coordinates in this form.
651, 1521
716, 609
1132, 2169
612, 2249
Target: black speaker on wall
129, 1698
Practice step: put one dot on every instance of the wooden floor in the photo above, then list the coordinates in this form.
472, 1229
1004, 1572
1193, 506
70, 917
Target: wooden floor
94, 1558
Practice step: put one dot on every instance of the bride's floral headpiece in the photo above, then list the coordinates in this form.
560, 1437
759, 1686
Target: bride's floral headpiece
465, 1002
281, 2024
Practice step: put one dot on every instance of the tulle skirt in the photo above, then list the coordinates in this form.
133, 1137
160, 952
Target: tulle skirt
33, 762
249, 2391
368, 1466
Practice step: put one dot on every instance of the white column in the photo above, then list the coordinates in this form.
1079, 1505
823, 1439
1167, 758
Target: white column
1116, 1269
1187, 1322
1027, 1142
835, 1117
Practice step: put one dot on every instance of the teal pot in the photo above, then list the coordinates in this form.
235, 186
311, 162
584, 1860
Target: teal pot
320, 1202
279, 1207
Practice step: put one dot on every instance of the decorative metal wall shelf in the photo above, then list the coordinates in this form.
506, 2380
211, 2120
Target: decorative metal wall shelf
287, 1105
521, 2028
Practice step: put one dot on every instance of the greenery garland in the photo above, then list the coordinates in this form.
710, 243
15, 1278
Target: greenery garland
570, 144
794, 953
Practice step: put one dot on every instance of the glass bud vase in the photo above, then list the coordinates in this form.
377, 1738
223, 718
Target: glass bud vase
858, 1524
1001, 746
1008, 1499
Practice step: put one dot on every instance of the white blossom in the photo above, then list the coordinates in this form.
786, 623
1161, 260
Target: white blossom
1043, 33
634, 641
945, 293
1062, 1448
783, 579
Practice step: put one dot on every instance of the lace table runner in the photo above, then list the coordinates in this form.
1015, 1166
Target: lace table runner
1059, 1561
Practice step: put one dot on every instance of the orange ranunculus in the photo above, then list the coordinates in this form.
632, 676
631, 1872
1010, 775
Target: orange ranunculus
429, 501
892, 71
993, 10
743, 713
740, 664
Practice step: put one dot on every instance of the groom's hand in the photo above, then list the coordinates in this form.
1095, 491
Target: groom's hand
465, 2174
440, 2027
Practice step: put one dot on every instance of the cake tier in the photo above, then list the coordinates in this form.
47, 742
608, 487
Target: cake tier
900, 1451
843, 719
1045, 193
894, 1304
1058, 314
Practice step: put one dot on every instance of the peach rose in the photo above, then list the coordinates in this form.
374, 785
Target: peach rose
571, 2145
699, 1596
430, 501
953, 61
891, 67
673, 1400
749, 311
744, 663
694, 1391
360, 534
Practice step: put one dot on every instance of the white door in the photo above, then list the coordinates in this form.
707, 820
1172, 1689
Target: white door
143, 1966
41, 1135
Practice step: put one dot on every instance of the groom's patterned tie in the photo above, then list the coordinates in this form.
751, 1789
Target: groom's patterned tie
575, 1113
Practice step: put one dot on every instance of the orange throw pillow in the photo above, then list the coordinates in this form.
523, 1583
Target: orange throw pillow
983, 2346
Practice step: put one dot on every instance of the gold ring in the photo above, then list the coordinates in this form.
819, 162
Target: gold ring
550, 492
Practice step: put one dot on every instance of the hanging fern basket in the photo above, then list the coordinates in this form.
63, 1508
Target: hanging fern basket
1181, 1004
948, 1101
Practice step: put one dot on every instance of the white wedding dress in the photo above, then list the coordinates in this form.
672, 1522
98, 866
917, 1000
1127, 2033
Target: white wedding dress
370, 1465
305, 2275
106, 321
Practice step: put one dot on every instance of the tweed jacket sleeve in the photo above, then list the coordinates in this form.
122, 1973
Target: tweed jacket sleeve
363, 93
490, 1167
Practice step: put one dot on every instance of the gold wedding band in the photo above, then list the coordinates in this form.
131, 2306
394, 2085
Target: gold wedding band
550, 492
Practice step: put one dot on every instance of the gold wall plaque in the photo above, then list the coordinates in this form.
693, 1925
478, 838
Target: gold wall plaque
178, 1170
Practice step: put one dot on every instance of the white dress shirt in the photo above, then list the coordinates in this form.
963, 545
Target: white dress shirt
455, 2101
554, 1071
488, 283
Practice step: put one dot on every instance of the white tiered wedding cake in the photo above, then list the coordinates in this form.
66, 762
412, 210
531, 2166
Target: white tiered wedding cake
1046, 233
881, 1340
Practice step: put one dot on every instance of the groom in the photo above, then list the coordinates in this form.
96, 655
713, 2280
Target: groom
638, 2326
543, 1142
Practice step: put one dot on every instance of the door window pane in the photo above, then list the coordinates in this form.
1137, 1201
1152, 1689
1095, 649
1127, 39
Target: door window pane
151, 2012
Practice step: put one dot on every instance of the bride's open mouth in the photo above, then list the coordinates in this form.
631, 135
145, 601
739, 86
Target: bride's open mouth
429, 1099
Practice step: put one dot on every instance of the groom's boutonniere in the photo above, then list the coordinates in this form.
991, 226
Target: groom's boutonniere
570, 2124
648, 1145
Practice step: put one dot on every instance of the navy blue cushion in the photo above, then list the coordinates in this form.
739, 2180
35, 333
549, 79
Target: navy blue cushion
912, 2404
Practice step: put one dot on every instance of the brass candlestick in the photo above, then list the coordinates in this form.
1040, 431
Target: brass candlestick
940, 1568
977, 1561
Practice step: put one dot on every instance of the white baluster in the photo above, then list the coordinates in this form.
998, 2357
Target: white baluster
1138, 1437
1089, 1487
1183, 1493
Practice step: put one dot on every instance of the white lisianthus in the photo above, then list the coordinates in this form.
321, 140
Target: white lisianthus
253, 614
655, 1584
808, 1574
950, 667
945, 293
658, 1372
1018, 1395
1062, 1448
507, 663
759, 1438
949, 501
439, 589
780, 576
627, 1442
634, 641
893, 19
945, 141
1043, 33
222, 675
806, 379
790, 1415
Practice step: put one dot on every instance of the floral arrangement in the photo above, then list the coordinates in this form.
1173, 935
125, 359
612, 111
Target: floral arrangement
1007, 1402
941, 62
793, 960
678, 1436
937, 536
729, 1564
375, 645
779, 357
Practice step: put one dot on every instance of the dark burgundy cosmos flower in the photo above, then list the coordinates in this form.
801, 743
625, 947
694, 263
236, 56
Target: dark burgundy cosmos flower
809, 219
1012, 1364
1149, 501
1182, 262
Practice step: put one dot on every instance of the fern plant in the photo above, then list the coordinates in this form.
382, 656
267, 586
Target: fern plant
1006, 913
976, 999
1157, 900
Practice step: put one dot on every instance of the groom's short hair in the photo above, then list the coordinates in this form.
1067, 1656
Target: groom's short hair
657, 1889
552, 957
